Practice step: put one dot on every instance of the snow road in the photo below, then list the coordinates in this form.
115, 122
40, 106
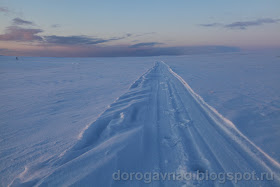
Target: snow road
159, 125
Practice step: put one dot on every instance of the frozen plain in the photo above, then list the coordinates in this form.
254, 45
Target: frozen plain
48, 106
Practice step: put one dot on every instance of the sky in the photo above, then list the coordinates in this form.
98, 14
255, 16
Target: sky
89, 28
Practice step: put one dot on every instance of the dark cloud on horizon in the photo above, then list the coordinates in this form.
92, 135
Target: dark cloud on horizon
243, 24
18, 21
162, 51
145, 44
120, 51
3, 49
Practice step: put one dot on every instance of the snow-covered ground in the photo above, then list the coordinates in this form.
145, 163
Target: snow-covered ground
46, 102
52, 132
244, 87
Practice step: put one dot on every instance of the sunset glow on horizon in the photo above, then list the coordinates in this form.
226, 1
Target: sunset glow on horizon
136, 28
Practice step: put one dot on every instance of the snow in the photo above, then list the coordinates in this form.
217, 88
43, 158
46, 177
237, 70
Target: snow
62, 125
244, 87
46, 102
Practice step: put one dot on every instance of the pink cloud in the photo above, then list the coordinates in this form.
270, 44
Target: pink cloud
15, 33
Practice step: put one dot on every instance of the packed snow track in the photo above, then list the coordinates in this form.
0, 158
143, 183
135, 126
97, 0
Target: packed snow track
159, 126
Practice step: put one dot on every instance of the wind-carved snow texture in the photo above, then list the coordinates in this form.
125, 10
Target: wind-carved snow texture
159, 125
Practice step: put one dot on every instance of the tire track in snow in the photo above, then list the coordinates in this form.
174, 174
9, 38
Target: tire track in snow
159, 125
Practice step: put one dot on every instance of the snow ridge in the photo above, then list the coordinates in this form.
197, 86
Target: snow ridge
230, 128
229, 125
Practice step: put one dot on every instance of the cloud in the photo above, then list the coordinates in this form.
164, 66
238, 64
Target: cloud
55, 25
7, 11
243, 24
79, 40
144, 34
188, 50
4, 9
3, 49
19, 34
86, 46
127, 35
15, 33
73, 40
18, 21
211, 25
146, 44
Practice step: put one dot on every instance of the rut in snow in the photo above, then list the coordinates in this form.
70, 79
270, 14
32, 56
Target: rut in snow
159, 125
